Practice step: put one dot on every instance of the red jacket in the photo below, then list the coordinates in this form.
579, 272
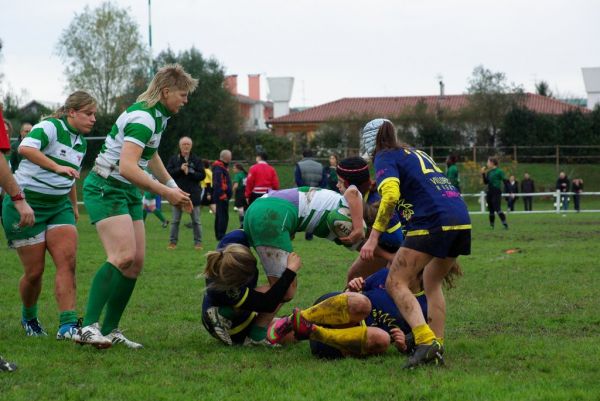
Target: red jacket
261, 178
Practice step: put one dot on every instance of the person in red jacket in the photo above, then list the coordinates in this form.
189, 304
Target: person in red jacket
261, 179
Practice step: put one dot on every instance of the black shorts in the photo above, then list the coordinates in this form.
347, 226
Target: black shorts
440, 244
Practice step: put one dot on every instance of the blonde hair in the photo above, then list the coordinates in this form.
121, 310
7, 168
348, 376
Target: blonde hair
76, 101
171, 76
230, 268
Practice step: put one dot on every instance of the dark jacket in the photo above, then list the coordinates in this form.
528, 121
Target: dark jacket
563, 184
511, 188
527, 186
15, 157
189, 183
221, 181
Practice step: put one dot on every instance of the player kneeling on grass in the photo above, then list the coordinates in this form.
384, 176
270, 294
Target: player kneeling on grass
235, 310
360, 322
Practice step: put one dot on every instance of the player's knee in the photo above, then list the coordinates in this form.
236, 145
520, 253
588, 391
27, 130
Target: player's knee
123, 261
34, 275
378, 341
358, 304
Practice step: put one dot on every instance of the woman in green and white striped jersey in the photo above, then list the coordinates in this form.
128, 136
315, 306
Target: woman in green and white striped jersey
113, 199
52, 155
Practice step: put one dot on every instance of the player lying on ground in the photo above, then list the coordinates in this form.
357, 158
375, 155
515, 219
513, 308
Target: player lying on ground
235, 310
360, 322
272, 221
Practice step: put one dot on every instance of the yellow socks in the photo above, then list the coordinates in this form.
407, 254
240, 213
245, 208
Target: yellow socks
332, 311
352, 339
423, 334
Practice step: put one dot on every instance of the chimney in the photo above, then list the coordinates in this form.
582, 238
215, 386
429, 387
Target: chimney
231, 84
591, 79
442, 88
254, 86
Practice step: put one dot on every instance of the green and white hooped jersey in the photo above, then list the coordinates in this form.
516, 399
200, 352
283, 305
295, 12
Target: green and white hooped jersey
60, 142
139, 124
314, 204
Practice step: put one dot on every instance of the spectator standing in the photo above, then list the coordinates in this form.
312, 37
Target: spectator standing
562, 185
221, 192
452, 171
494, 177
15, 157
262, 178
239, 190
511, 187
577, 188
309, 172
332, 178
187, 170
527, 187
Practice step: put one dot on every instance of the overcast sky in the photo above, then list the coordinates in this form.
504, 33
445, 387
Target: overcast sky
333, 48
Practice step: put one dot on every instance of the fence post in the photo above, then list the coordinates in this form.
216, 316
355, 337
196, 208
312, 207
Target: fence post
475, 154
515, 153
557, 158
482, 201
431, 151
557, 196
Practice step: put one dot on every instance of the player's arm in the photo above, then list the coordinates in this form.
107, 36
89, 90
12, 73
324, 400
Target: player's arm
129, 169
73, 199
390, 194
36, 156
269, 301
355, 204
12, 189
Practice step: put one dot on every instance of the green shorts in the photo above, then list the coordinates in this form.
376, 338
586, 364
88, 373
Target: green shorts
107, 197
271, 222
50, 210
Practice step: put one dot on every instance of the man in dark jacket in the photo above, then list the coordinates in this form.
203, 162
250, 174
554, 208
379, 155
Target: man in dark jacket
187, 170
15, 157
221, 192
309, 172
527, 187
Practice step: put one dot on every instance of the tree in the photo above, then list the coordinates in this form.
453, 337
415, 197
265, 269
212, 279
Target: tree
491, 97
102, 49
211, 117
542, 88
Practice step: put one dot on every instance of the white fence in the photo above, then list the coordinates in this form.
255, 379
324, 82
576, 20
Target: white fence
556, 195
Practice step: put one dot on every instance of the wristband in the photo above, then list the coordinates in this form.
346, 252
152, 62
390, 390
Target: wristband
171, 183
19, 196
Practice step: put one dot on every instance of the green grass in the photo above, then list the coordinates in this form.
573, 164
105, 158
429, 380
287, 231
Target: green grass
523, 326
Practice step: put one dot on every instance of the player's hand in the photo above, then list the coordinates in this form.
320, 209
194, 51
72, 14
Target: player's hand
356, 284
68, 171
355, 236
398, 339
368, 249
483, 170
294, 262
179, 198
26, 213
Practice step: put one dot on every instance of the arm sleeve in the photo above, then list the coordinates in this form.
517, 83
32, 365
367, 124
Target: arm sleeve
268, 301
173, 167
485, 178
298, 177
275, 179
199, 174
390, 193
249, 184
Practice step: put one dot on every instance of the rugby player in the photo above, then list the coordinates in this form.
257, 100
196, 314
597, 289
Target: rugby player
52, 155
112, 196
437, 231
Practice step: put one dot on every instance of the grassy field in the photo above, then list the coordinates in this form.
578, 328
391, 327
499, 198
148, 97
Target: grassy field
521, 326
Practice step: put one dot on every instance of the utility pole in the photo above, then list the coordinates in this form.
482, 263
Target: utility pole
150, 37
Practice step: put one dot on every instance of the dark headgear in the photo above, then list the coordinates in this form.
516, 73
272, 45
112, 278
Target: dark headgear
355, 170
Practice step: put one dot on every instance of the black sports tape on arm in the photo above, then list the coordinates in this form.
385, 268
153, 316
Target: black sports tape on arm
268, 301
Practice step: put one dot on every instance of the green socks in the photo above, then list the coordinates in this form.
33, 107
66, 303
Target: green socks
29, 313
99, 293
68, 317
117, 301
159, 214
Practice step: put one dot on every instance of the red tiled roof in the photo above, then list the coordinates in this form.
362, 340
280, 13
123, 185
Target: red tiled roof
394, 106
